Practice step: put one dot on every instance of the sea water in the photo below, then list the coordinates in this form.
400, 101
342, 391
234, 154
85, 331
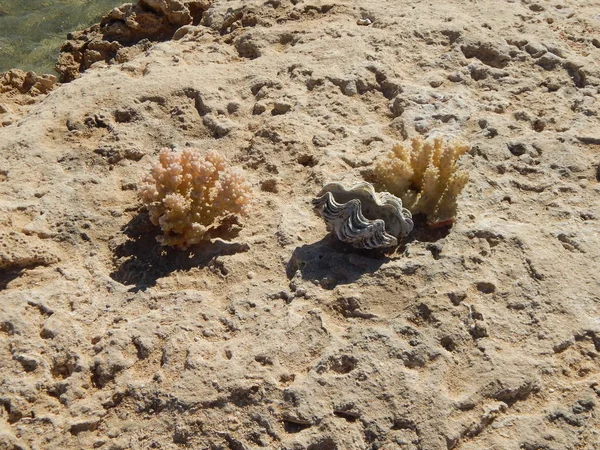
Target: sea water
32, 31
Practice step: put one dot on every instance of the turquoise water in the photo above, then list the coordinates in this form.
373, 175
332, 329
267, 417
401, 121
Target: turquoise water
32, 31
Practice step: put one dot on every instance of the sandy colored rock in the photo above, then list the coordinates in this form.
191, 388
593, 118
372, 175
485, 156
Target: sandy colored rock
484, 335
19, 90
125, 32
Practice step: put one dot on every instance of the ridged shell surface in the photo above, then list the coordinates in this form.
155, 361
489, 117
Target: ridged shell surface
362, 217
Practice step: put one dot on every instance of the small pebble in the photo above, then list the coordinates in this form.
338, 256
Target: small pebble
436, 82
455, 77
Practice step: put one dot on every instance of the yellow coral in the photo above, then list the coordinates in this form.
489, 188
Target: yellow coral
426, 177
188, 195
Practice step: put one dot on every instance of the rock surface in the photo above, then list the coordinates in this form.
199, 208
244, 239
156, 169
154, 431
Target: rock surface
486, 335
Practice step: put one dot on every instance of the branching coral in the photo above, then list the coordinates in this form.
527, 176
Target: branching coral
189, 195
426, 176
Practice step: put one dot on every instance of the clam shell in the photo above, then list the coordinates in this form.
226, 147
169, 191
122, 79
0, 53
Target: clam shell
362, 217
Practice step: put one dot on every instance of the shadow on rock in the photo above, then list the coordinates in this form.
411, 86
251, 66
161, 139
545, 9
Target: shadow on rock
141, 260
6, 276
424, 233
331, 262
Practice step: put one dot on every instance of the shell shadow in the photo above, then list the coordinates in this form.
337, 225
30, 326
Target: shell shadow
140, 260
330, 262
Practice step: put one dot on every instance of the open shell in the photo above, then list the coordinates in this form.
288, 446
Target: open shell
362, 217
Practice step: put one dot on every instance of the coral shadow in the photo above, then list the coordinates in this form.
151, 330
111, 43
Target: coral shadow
423, 233
140, 261
330, 262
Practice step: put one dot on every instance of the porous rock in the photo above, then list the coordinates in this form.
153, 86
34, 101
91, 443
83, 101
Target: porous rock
480, 336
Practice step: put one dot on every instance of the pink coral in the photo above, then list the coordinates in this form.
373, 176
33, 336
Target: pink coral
188, 195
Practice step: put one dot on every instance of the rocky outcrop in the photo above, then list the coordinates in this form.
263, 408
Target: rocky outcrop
30, 83
117, 37
19, 90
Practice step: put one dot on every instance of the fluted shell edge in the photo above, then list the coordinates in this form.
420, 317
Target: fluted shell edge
362, 217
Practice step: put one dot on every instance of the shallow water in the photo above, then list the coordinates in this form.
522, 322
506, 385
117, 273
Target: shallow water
32, 31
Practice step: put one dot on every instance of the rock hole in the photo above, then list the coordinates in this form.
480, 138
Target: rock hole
424, 312
517, 148
294, 427
62, 368
57, 389
341, 364
13, 416
286, 38
347, 416
486, 287
269, 185
456, 297
287, 378
245, 396
478, 331
246, 48
448, 343
435, 249
115, 400
197, 10
403, 424
7, 327
29, 364
307, 160
539, 125
124, 115
487, 53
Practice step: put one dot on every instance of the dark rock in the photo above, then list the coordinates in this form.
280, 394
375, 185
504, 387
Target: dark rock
517, 148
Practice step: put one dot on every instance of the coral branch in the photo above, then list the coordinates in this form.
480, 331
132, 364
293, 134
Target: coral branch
187, 195
426, 177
